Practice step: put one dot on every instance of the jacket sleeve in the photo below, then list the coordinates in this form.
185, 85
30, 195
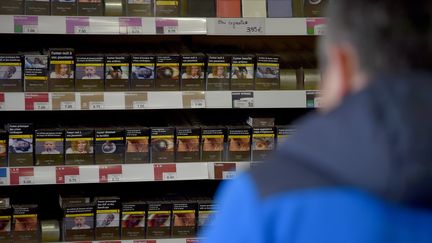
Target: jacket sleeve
238, 214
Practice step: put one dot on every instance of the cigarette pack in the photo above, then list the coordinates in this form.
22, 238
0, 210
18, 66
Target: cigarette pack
11, 78
20, 144
49, 146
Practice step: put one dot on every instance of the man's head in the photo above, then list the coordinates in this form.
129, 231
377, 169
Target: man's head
368, 38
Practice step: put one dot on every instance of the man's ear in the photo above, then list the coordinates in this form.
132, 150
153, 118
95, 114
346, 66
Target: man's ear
338, 75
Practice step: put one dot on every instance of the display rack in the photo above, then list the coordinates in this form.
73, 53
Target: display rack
164, 26
78, 174
148, 241
291, 38
133, 100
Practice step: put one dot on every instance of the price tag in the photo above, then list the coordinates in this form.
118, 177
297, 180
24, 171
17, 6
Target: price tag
243, 99
198, 103
26, 24
22, 176
313, 100
70, 179
26, 180
36, 101
316, 26
244, 26
170, 30
321, 29
165, 172
169, 176
96, 105
224, 171
134, 30
317, 102
226, 175
77, 25
30, 29
167, 26
81, 29
243, 103
67, 174
254, 30
114, 177
191, 240
111, 173
139, 105
67, 105
3, 176
41, 106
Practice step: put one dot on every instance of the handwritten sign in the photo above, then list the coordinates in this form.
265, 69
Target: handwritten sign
244, 26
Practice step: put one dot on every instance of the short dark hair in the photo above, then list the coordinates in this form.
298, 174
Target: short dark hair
388, 35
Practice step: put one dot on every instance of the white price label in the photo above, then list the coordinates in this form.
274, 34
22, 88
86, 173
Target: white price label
320, 29
30, 29
41, 106
114, 177
26, 180
134, 30
67, 105
317, 102
3, 181
96, 105
70, 179
81, 29
139, 105
169, 176
244, 103
170, 29
2, 106
198, 103
226, 175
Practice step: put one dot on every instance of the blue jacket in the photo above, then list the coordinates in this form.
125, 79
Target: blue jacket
360, 174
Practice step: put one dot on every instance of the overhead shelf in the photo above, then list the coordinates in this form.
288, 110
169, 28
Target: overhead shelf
161, 26
178, 240
47, 101
76, 174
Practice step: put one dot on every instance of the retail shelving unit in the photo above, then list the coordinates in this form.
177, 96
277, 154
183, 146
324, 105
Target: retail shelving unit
292, 38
